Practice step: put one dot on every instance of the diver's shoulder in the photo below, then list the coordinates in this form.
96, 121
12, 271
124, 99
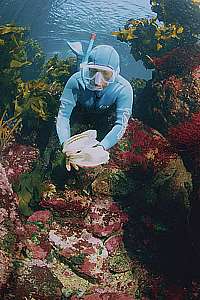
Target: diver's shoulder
76, 76
74, 81
124, 82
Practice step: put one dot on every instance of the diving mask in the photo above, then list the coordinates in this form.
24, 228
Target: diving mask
93, 75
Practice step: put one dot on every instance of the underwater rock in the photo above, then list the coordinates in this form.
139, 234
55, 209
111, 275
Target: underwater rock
120, 262
8, 204
168, 102
163, 201
17, 159
85, 253
37, 246
6, 191
105, 217
174, 185
67, 258
85, 178
34, 282
67, 202
5, 269
112, 182
72, 283
36, 251
118, 283
35, 243
30, 229
9, 223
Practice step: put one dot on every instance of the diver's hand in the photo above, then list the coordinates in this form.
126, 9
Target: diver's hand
70, 165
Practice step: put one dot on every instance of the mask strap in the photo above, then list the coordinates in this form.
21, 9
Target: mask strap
117, 71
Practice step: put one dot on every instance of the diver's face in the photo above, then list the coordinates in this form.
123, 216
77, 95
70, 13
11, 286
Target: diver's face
101, 78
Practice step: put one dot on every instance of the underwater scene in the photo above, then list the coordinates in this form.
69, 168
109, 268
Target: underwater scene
100, 150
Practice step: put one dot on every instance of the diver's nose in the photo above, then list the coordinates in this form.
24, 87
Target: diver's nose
98, 78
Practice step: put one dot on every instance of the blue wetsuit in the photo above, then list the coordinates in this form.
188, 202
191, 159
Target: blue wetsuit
119, 92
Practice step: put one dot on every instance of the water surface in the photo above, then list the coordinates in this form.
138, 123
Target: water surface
53, 22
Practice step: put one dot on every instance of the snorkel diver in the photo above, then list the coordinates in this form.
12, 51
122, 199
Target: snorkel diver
96, 87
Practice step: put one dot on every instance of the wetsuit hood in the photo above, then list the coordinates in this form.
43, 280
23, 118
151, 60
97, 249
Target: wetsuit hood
104, 55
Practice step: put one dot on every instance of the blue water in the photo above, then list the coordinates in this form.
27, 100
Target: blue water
53, 22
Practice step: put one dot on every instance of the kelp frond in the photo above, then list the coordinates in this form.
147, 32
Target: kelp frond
7, 128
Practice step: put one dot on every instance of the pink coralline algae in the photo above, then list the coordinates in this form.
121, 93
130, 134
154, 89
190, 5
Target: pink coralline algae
113, 243
17, 159
105, 218
5, 186
35, 238
68, 202
43, 216
9, 223
3, 215
86, 253
37, 251
9, 199
29, 229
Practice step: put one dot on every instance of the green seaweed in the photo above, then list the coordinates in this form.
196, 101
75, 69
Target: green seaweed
29, 188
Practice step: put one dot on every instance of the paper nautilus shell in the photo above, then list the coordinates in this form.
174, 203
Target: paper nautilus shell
80, 150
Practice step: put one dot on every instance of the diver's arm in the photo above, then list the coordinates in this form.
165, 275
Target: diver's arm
124, 105
68, 102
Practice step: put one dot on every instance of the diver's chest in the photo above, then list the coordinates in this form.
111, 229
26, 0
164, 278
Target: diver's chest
98, 100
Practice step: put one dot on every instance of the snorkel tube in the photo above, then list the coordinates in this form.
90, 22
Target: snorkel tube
89, 49
85, 58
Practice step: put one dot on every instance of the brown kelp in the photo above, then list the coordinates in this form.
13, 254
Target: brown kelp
8, 128
151, 38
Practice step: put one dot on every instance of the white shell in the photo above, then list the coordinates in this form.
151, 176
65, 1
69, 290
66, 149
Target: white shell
90, 157
80, 141
80, 150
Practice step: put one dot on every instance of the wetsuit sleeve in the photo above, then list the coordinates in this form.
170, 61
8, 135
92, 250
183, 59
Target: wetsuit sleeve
67, 103
124, 103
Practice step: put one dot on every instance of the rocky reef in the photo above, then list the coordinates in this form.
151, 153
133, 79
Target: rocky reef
73, 246
124, 230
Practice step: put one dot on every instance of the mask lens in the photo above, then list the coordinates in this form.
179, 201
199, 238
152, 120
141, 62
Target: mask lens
107, 75
92, 72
